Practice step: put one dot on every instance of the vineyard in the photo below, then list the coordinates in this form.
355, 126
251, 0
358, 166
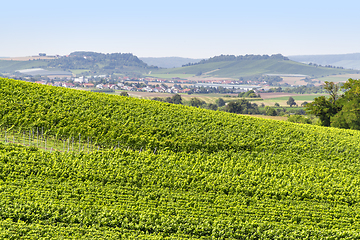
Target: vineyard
166, 171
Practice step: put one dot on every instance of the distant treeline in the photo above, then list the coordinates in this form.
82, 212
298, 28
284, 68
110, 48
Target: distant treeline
94, 61
222, 58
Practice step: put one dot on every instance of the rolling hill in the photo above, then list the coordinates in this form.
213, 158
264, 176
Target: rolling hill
251, 65
83, 62
168, 62
176, 172
350, 61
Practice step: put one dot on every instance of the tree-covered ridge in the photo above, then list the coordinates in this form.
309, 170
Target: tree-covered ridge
93, 61
222, 58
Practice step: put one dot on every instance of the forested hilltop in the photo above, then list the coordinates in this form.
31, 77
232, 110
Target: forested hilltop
97, 61
170, 172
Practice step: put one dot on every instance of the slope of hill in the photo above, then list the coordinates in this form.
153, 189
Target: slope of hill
184, 172
351, 60
98, 63
168, 62
251, 65
8, 66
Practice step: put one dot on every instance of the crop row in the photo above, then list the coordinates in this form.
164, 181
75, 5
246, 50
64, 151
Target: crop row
143, 124
179, 194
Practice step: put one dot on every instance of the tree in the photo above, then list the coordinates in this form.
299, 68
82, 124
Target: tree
195, 102
212, 106
242, 106
291, 101
277, 105
348, 114
304, 104
270, 111
220, 102
176, 99
125, 94
168, 100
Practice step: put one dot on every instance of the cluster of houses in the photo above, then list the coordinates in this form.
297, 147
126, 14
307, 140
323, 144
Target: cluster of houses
122, 86
118, 86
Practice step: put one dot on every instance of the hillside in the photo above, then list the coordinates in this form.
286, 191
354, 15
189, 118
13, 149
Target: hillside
92, 62
168, 62
350, 61
8, 66
177, 172
230, 66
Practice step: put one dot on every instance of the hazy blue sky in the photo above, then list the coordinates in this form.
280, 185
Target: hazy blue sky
196, 29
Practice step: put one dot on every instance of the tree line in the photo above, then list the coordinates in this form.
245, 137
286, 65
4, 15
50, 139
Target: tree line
342, 108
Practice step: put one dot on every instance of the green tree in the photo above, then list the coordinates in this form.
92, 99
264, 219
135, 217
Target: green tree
125, 94
220, 102
195, 102
168, 100
176, 99
299, 119
348, 114
277, 105
291, 101
212, 106
242, 106
304, 104
326, 108
270, 111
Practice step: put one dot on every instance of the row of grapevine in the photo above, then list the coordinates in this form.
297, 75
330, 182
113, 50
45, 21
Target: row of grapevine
127, 168
127, 193
113, 120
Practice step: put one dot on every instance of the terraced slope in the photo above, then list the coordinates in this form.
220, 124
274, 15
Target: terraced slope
214, 174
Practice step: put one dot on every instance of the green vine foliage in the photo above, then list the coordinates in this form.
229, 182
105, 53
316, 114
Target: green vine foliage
215, 175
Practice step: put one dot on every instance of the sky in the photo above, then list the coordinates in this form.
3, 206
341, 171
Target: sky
193, 29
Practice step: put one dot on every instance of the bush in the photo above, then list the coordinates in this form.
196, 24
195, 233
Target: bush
299, 119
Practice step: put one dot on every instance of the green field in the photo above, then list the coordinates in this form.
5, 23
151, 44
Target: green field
170, 76
11, 66
79, 71
246, 68
339, 78
179, 172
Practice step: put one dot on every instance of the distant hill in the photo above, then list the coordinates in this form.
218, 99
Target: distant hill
9, 66
168, 62
92, 62
231, 66
351, 61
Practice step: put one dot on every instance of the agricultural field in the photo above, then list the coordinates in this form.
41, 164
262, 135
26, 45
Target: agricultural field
168, 171
271, 98
170, 76
339, 78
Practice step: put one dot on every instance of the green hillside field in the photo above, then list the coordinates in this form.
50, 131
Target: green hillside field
179, 172
246, 68
7, 66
